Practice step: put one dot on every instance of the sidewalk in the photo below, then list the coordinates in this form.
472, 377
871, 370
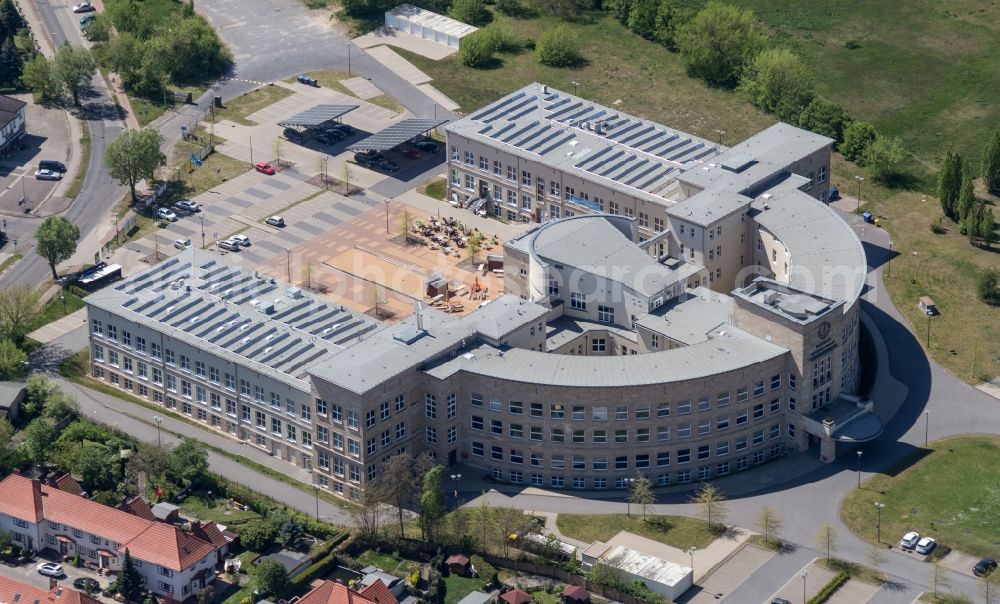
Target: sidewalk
60, 327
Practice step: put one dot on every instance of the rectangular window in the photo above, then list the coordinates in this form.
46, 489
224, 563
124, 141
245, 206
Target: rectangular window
758, 389
516, 407
605, 314
775, 406
477, 423
579, 436
370, 418
742, 394
598, 345
431, 435
352, 419
742, 417
536, 433
496, 453
556, 412
722, 448
663, 433
477, 449
430, 406
577, 301
683, 430
684, 408
704, 426
451, 406
758, 411
516, 431
556, 435
496, 427
684, 456
776, 382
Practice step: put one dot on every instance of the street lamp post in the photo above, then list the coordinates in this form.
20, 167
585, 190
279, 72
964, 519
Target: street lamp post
878, 523
158, 420
62, 297
576, 86
454, 482
860, 180
202, 231
859, 469
927, 425
720, 133
316, 493
805, 573
628, 498
889, 262
690, 552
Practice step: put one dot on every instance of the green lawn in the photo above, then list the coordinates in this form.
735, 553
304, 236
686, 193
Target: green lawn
648, 80
436, 188
923, 70
673, 530
81, 171
390, 563
54, 309
215, 510
216, 169
239, 108
459, 587
950, 494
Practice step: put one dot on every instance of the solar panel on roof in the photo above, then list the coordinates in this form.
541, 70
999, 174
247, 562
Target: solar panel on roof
396, 134
318, 115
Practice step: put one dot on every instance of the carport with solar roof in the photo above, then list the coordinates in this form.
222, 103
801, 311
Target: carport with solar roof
396, 134
318, 117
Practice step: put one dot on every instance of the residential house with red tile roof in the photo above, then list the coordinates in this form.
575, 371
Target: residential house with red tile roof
12, 590
173, 563
331, 592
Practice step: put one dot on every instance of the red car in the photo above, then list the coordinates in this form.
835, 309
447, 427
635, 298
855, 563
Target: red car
264, 168
411, 153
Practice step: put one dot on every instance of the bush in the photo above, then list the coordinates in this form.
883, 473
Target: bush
937, 227
823, 117
271, 578
558, 47
504, 37
857, 136
986, 287
642, 18
513, 8
883, 155
476, 49
830, 588
778, 82
472, 12
258, 535
719, 42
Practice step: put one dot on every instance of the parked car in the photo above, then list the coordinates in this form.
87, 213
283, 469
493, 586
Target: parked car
428, 146
187, 205
277, 221
388, 166
909, 540
51, 164
182, 244
984, 567
51, 569
241, 239
86, 584
325, 139
166, 214
780, 601
264, 168
348, 130
83, 7
85, 21
925, 546
47, 175
368, 158
336, 133
229, 245
412, 153
833, 194
293, 135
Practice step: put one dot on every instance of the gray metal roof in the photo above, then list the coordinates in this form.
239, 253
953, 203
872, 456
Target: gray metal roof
598, 143
729, 349
238, 315
396, 134
691, 317
593, 244
827, 257
318, 115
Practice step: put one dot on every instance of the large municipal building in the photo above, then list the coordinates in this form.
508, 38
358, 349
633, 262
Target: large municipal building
682, 310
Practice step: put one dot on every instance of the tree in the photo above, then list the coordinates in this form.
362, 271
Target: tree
405, 221
9, 17
966, 197
398, 482
73, 67
939, 578
991, 163
712, 503
472, 12
151, 459
129, 582
505, 521
619, 9
476, 50
949, 185
7, 447
13, 360
99, 29
641, 493
97, 467
123, 55
473, 245
986, 286
642, 18
769, 524
883, 156
432, 506
823, 117
189, 462
38, 390
258, 535
986, 225
564, 9
37, 75
558, 47
719, 42
10, 63
56, 239
826, 539
857, 136
133, 156
271, 578
38, 438
19, 308
367, 510
778, 82
60, 407
969, 224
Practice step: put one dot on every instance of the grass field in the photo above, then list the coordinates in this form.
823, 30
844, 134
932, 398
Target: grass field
923, 70
648, 80
215, 510
81, 171
216, 169
673, 530
390, 563
55, 310
950, 494
332, 79
459, 587
239, 108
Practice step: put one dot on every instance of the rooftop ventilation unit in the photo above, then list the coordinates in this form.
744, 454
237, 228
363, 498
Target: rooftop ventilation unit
293, 292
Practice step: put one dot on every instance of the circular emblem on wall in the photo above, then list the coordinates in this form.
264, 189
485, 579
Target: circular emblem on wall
824, 329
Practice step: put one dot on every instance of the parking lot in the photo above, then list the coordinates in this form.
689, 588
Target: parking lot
29, 574
47, 138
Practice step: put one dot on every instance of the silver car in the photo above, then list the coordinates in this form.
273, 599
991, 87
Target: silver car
47, 175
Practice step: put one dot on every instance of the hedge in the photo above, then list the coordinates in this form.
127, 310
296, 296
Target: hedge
319, 567
830, 588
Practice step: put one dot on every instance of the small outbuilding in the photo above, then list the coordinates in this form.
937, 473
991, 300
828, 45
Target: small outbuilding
516, 596
476, 597
458, 564
573, 594
11, 396
166, 512
927, 305
428, 25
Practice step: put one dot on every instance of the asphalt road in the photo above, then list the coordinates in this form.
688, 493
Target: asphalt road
100, 192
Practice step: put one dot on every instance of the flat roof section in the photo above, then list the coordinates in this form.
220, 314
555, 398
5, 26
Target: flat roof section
318, 115
396, 134
432, 20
